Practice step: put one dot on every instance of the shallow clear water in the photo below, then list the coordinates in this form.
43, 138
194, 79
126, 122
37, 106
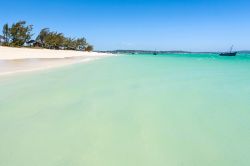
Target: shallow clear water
176, 110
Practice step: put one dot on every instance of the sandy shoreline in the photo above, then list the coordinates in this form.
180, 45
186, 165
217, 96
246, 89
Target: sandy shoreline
16, 60
9, 53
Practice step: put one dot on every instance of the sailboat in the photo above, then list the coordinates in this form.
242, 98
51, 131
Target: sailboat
155, 53
230, 53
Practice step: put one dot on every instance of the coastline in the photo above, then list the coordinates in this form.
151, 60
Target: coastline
20, 60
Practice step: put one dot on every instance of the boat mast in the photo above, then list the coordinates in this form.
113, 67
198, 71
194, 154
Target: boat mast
231, 49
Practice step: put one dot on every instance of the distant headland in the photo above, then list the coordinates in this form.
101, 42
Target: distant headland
164, 52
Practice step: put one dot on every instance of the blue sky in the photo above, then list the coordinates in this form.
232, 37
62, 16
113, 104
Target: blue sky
192, 25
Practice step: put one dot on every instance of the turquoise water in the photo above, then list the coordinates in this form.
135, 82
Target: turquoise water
169, 110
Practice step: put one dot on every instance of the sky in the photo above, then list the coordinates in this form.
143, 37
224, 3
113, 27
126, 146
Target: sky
190, 25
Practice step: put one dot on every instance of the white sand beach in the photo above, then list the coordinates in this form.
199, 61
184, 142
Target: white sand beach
15, 60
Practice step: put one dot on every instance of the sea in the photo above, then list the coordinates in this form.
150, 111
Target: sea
129, 110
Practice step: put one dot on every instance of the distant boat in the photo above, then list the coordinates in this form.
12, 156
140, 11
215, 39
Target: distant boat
230, 53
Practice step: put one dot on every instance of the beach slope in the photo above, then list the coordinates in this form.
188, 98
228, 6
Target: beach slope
15, 60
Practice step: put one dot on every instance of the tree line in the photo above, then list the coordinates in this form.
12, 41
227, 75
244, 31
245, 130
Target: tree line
20, 34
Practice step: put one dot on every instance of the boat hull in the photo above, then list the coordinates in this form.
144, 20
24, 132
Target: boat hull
229, 54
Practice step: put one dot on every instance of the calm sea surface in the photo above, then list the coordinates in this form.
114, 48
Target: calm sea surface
141, 110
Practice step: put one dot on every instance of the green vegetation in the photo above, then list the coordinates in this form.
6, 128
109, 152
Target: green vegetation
89, 48
6, 34
20, 35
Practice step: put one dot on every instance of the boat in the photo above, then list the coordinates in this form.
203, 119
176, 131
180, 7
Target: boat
155, 53
230, 53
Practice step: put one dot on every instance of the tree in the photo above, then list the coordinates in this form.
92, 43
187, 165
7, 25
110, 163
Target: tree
20, 33
74, 44
6, 34
54, 40
69, 43
89, 48
42, 36
51, 40
81, 44
58, 40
